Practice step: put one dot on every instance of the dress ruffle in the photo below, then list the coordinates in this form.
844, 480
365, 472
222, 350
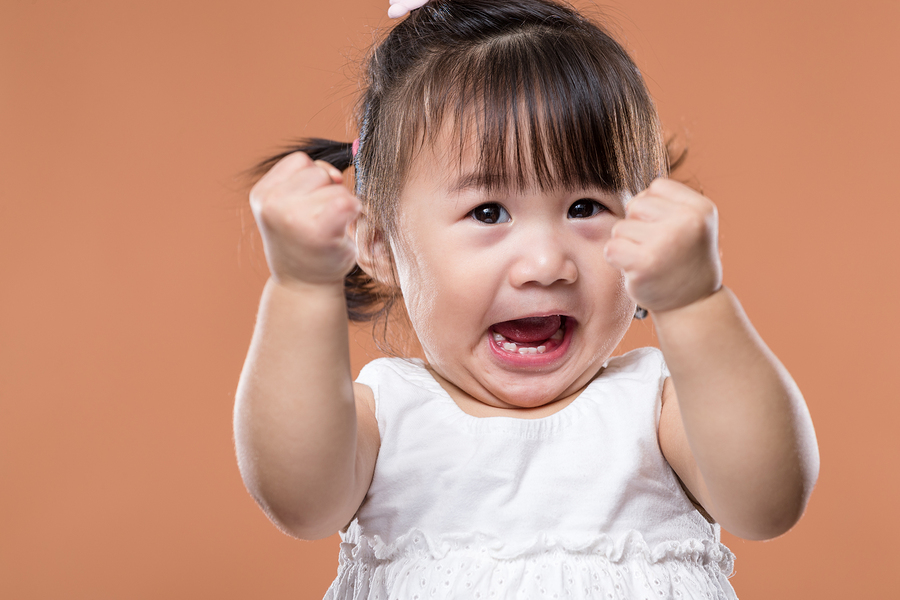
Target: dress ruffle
417, 543
416, 566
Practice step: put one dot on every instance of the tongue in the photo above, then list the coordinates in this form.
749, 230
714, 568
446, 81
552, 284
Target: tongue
530, 330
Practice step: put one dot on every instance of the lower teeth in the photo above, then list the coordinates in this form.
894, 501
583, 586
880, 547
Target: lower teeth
538, 350
513, 347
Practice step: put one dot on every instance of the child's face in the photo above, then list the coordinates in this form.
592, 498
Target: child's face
462, 277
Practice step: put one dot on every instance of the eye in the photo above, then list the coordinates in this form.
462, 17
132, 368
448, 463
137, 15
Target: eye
585, 208
490, 213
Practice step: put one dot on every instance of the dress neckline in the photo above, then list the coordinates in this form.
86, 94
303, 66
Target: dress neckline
427, 379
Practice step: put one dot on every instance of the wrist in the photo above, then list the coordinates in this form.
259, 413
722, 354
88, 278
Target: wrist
284, 286
692, 309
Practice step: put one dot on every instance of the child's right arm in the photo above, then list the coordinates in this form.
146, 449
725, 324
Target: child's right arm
305, 434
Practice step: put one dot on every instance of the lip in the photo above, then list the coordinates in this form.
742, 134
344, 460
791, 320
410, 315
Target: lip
516, 360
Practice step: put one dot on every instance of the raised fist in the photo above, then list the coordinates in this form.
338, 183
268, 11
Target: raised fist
667, 246
304, 212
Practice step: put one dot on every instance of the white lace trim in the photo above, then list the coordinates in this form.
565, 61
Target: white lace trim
418, 544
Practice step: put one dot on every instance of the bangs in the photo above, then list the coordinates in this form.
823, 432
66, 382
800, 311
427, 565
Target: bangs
524, 95
540, 107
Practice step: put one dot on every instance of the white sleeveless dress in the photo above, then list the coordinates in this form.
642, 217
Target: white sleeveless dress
579, 504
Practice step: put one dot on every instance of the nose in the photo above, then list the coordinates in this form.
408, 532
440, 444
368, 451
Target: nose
542, 259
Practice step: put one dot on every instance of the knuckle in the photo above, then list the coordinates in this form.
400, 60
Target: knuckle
297, 160
658, 185
270, 215
328, 167
261, 204
637, 279
287, 166
636, 208
693, 223
258, 191
256, 199
317, 176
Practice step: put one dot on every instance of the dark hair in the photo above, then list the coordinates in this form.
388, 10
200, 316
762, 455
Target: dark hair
549, 98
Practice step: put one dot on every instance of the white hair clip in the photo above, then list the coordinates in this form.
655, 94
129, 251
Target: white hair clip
401, 7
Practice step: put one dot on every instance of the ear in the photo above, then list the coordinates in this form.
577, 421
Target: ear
373, 252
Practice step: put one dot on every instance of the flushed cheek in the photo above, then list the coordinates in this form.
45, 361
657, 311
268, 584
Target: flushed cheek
607, 310
419, 295
435, 303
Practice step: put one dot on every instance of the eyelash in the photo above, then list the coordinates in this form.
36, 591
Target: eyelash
595, 207
485, 210
493, 213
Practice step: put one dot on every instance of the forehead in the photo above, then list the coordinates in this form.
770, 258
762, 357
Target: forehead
479, 150
447, 167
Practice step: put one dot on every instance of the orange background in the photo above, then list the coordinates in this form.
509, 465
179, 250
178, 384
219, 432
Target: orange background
131, 269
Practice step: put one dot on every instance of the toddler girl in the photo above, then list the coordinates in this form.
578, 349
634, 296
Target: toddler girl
511, 195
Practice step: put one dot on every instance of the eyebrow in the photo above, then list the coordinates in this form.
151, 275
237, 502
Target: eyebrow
474, 181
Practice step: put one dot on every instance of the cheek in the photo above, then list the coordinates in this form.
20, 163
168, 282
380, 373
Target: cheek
440, 297
623, 309
617, 309
617, 297
419, 287
625, 306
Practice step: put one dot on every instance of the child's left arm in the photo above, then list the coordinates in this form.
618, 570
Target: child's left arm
738, 431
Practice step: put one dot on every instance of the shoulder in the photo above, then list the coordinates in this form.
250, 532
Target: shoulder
396, 386
645, 363
635, 380
383, 370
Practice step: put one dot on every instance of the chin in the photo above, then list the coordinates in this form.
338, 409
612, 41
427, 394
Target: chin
530, 392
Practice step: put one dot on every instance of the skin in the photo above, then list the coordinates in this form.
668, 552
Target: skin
734, 426
540, 262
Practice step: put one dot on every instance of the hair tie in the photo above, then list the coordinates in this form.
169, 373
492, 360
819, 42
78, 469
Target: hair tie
401, 7
355, 148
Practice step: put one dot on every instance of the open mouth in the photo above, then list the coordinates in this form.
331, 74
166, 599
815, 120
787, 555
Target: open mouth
531, 335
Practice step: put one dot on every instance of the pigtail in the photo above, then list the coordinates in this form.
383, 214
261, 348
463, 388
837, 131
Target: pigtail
339, 154
366, 299
676, 156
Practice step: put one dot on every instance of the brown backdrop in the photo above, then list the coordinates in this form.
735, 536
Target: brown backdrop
130, 274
